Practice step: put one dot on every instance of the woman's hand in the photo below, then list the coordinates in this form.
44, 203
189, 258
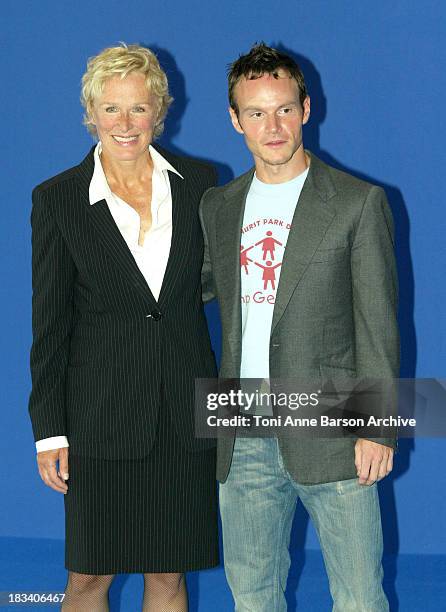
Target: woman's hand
47, 463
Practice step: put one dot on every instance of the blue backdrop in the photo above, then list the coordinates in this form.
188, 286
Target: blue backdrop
375, 73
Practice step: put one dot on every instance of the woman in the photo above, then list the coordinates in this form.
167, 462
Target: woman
119, 337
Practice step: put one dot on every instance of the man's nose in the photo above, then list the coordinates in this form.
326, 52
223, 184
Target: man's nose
273, 123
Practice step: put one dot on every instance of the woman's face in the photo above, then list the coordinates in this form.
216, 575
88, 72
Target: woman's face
125, 116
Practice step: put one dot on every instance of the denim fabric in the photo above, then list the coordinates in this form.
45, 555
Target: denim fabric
257, 504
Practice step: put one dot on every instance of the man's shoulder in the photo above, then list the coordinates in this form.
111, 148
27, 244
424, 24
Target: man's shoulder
344, 183
237, 186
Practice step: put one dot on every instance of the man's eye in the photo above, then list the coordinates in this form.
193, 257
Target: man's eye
256, 115
286, 110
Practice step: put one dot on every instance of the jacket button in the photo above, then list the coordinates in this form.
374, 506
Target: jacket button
156, 315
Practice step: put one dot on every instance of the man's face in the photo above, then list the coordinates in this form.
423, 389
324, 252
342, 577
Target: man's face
271, 118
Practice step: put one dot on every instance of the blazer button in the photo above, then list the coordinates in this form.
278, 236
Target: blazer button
156, 315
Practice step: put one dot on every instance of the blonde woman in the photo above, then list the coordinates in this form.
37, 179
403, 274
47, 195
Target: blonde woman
119, 336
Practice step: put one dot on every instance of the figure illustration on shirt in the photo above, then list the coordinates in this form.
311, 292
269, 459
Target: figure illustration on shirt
268, 245
244, 259
269, 274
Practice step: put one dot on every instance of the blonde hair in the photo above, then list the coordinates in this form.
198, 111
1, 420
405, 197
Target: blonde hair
121, 61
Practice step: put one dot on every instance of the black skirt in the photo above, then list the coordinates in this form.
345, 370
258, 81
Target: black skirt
149, 515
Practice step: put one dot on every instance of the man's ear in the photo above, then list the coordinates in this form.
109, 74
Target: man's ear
306, 110
235, 121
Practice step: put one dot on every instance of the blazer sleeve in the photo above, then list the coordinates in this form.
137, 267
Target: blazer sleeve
53, 273
375, 301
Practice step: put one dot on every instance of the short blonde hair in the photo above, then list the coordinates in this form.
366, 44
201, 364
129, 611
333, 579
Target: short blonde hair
122, 61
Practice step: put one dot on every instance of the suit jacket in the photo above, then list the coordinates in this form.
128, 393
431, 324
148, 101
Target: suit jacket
336, 303
106, 356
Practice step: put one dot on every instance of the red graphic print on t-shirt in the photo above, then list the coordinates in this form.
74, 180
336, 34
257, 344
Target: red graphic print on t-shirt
268, 274
266, 249
268, 245
244, 259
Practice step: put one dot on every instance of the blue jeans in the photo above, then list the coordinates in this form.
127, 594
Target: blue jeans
257, 505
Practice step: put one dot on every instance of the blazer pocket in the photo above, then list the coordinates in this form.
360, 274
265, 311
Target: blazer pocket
88, 391
337, 385
331, 372
329, 255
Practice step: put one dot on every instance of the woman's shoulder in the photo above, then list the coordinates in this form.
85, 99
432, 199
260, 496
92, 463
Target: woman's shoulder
66, 177
185, 164
56, 181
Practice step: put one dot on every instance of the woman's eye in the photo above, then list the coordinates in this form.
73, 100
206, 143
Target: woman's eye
110, 109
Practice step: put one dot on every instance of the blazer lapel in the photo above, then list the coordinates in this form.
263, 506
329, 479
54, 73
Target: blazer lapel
311, 220
181, 234
229, 220
108, 231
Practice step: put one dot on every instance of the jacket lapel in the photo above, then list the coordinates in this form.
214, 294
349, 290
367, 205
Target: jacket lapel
181, 234
108, 231
311, 220
229, 220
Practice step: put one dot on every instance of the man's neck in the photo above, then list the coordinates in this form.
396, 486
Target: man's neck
282, 173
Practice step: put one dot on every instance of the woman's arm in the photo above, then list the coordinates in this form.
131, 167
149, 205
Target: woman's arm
53, 273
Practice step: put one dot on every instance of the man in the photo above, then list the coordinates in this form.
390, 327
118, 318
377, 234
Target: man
328, 310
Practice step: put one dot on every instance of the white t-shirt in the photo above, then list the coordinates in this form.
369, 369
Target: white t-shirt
267, 221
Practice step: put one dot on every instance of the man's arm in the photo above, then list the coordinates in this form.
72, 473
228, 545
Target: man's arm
375, 297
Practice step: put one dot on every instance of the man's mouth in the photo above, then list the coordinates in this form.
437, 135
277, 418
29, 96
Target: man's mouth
275, 143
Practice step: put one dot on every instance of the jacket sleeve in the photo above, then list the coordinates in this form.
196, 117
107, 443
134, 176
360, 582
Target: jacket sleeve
375, 300
207, 280
53, 273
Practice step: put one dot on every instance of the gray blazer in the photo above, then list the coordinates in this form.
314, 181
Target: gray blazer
336, 306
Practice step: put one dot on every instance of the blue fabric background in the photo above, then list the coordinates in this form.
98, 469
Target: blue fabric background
375, 72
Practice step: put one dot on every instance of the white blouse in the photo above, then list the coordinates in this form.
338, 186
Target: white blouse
151, 258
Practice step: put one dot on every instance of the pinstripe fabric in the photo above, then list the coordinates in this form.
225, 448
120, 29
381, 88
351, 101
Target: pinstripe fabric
119, 383
98, 361
155, 514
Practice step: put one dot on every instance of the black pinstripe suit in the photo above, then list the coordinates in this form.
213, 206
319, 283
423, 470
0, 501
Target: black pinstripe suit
98, 360
106, 356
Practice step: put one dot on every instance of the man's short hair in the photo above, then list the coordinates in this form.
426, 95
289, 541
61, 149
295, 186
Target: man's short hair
261, 60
